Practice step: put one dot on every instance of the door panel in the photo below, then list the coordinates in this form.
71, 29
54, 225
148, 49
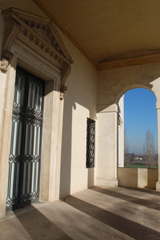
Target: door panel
25, 147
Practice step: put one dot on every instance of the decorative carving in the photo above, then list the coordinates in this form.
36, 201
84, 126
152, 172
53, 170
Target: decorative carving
120, 122
43, 46
45, 32
4, 65
6, 57
62, 91
66, 69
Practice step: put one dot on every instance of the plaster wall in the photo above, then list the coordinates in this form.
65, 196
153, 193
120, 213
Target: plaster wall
80, 103
137, 177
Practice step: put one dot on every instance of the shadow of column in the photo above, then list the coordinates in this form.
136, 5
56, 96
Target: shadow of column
40, 227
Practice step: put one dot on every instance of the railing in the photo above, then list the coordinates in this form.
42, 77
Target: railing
137, 177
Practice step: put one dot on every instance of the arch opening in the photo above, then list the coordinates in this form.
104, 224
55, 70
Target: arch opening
137, 132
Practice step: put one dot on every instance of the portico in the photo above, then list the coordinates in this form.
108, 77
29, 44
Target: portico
93, 52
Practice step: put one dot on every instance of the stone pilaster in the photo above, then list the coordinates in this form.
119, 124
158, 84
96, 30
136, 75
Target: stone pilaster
6, 108
51, 143
106, 168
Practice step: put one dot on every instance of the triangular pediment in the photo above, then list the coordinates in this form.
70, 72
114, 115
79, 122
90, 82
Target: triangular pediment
46, 31
38, 31
26, 33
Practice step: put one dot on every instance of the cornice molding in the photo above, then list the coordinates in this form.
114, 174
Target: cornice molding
129, 62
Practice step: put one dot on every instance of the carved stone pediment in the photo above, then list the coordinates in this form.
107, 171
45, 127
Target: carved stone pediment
44, 31
38, 36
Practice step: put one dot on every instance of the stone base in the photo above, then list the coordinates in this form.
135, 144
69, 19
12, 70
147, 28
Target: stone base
158, 186
107, 182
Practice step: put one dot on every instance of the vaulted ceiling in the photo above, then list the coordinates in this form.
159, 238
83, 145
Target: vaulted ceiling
105, 30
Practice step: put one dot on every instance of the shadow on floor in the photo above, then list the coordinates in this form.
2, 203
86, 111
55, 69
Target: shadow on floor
128, 227
150, 191
135, 200
39, 227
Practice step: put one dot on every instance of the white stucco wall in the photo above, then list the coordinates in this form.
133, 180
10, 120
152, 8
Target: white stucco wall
80, 102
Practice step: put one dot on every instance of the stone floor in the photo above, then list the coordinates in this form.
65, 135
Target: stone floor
95, 213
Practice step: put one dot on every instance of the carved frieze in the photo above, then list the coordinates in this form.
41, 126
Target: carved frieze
45, 32
41, 46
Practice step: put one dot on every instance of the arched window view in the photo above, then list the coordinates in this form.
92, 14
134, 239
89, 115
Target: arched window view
140, 129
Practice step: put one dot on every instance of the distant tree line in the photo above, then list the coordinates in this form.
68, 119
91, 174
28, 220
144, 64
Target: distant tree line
148, 158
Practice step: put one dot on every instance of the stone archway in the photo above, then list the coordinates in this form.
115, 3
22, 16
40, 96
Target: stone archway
130, 175
120, 103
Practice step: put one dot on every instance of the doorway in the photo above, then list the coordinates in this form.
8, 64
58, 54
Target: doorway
25, 146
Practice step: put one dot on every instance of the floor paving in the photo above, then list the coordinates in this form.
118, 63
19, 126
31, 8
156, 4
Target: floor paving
95, 213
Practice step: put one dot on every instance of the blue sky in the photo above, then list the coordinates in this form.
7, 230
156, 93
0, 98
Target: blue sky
140, 114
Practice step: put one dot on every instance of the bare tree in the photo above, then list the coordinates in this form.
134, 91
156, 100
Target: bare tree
126, 146
149, 148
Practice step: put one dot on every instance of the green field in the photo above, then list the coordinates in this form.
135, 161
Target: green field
138, 166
